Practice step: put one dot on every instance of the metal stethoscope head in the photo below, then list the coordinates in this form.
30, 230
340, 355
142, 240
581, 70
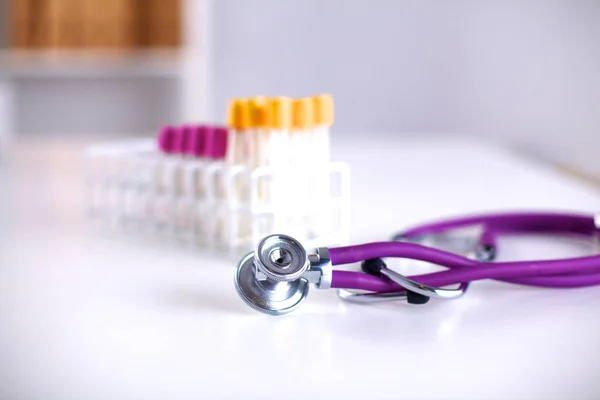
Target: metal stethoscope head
275, 278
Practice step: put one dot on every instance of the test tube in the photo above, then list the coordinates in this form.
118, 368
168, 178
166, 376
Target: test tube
278, 154
280, 121
260, 122
323, 120
187, 215
195, 142
300, 167
179, 160
172, 142
216, 149
320, 182
169, 182
302, 121
240, 142
166, 146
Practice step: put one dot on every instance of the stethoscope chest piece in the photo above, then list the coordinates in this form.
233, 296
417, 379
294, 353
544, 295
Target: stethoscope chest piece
269, 279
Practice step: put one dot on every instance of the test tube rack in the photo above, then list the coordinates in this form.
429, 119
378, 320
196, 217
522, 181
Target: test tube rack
208, 203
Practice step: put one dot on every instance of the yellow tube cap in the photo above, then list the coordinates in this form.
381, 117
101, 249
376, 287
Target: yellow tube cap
303, 115
238, 115
259, 112
324, 109
280, 112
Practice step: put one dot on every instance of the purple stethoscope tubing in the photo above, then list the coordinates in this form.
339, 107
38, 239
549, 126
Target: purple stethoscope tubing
561, 273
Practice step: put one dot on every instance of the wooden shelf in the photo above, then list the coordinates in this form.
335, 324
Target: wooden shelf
90, 63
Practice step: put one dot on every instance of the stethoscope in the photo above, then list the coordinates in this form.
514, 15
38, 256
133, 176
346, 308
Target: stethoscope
275, 278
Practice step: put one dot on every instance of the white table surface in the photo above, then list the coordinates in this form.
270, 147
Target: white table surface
85, 314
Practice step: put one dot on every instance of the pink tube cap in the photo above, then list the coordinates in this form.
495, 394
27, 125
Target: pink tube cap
215, 142
195, 141
180, 139
165, 139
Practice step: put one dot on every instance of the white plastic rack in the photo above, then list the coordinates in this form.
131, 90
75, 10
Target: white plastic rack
209, 204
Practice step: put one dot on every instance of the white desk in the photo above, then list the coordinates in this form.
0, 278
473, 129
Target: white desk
86, 315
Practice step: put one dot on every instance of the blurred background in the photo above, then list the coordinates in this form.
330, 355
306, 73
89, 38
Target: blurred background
523, 73
420, 86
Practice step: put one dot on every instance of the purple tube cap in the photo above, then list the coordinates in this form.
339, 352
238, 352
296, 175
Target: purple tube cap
195, 141
180, 139
165, 139
215, 142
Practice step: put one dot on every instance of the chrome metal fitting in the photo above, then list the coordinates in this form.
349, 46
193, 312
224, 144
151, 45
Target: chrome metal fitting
281, 258
320, 271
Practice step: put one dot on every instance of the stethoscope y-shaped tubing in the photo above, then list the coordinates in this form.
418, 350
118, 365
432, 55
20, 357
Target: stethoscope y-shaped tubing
573, 272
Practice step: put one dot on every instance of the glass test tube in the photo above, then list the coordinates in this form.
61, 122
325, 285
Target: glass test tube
215, 149
239, 143
189, 183
278, 153
320, 182
168, 180
260, 122
300, 163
